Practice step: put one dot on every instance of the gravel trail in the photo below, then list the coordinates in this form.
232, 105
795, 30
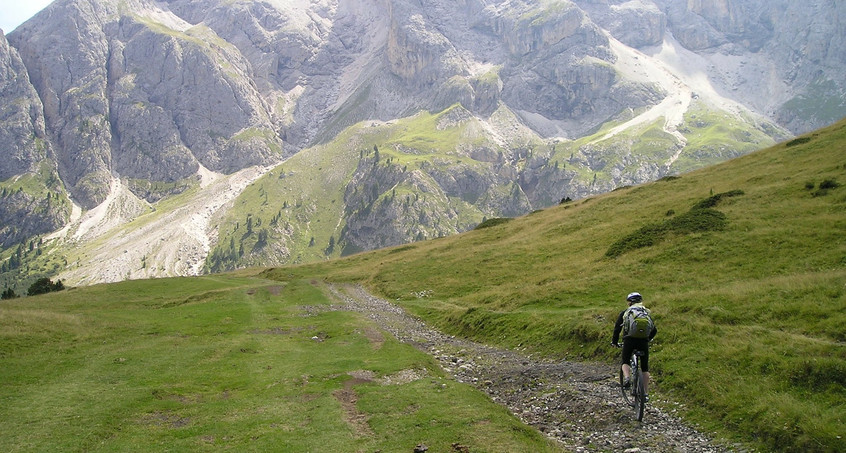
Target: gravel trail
576, 403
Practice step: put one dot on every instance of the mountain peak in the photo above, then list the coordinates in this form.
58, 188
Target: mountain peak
560, 98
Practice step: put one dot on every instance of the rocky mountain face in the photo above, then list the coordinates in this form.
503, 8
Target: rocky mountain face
44, 206
794, 51
565, 98
132, 91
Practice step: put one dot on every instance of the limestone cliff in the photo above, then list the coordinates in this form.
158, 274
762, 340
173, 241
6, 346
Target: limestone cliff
133, 90
165, 99
32, 201
789, 54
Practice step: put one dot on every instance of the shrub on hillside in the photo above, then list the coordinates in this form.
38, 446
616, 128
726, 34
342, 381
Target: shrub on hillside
700, 218
44, 285
824, 187
492, 222
829, 184
798, 141
697, 221
714, 200
644, 237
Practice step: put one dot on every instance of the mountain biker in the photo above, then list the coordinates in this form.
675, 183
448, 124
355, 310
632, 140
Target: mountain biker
632, 344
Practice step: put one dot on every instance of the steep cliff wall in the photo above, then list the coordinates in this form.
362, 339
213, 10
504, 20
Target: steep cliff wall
559, 98
792, 53
132, 90
32, 199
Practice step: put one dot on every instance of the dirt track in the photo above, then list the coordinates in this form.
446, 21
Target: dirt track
575, 403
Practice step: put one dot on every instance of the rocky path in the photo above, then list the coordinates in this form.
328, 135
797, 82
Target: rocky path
577, 404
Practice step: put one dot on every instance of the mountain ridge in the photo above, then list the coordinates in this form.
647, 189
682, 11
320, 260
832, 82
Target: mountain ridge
157, 93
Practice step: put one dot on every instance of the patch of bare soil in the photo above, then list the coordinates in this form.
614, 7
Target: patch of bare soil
375, 337
347, 397
575, 403
165, 419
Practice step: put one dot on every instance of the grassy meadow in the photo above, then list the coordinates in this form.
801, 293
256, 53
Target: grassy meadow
743, 265
226, 363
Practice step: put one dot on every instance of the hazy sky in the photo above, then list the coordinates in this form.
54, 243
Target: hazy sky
16, 12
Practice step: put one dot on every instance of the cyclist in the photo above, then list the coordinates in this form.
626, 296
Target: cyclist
632, 344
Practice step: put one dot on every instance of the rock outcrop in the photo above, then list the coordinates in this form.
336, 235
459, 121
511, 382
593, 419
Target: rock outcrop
156, 94
791, 53
22, 127
32, 201
132, 90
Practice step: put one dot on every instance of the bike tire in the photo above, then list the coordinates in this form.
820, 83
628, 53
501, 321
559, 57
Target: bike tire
640, 397
627, 393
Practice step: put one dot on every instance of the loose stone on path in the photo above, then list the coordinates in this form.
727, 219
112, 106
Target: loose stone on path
576, 403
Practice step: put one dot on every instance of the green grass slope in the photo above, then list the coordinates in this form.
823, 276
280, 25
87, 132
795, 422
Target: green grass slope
743, 265
227, 363
436, 174
297, 212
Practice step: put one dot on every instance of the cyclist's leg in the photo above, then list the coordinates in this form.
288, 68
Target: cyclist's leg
644, 366
628, 349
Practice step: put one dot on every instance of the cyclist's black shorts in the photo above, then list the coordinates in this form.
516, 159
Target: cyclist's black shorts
641, 344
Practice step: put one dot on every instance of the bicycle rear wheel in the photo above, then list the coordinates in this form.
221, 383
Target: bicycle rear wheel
627, 393
640, 397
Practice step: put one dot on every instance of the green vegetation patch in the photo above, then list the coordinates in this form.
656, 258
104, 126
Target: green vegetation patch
699, 219
750, 315
714, 137
544, 13
822, 99
227, 363
428, 133
493, 222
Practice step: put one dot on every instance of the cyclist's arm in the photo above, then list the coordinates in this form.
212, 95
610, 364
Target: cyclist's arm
653, 333
618, 327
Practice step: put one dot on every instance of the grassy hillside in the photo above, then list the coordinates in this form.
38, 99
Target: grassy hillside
226, 363
298, 211
743, 265
436, 174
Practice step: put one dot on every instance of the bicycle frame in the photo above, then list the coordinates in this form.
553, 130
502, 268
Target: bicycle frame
636, 396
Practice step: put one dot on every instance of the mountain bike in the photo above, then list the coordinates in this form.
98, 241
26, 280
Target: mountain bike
636, 395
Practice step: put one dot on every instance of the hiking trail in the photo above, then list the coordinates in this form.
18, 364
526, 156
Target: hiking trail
576, 403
